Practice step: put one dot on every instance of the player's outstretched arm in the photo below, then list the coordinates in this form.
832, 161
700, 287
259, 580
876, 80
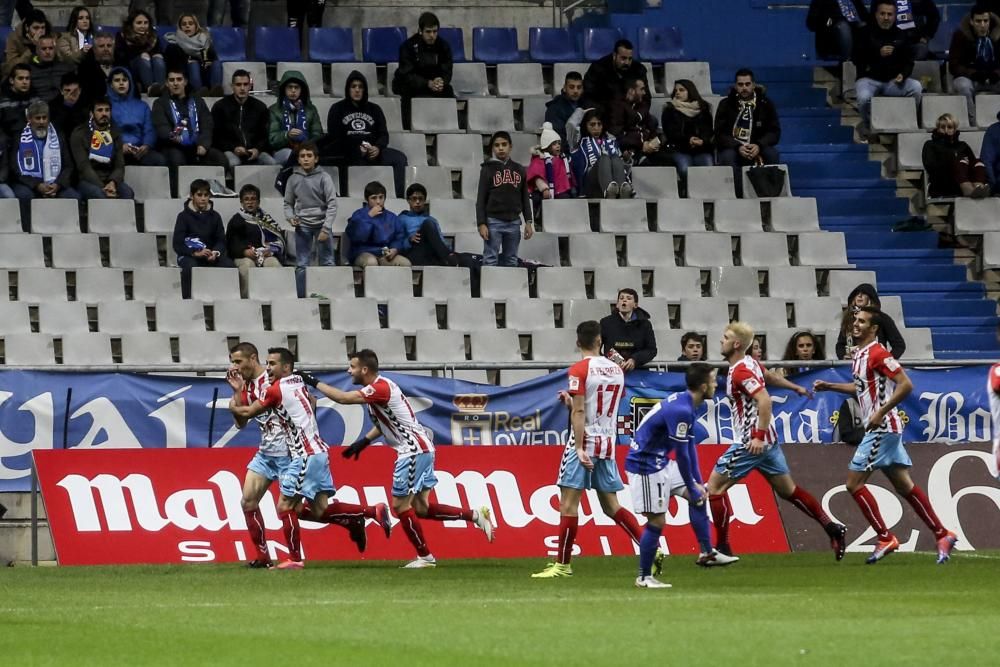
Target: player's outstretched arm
353, 397
248, 411
355, 448
840, 387
780, 381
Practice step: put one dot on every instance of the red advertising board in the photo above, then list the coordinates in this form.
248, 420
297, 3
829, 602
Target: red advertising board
183, 505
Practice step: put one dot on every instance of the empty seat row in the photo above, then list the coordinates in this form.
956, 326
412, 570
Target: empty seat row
899, 114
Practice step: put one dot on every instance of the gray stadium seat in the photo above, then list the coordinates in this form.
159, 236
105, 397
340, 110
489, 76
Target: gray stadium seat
386, 282
892, 305
764, 249
749, 192
412, 144
455, 216
295, 315
37, 285
733, 282
321, 348
895, 114
160, 214
62, 317
10, 216
987, 107
14, 318
211, 283
591, 250
469, 80
668, 344
391, 110
512, 376
655, 182
533, 113
79, 251
110, 216
429, 114
271, 283
623, 215
146, 349
975, 216
565, 216
919, 342
675, 282
353, 314
444, 283
440, 346
792, 282
521, 145
708, 249
933, 106
698, 73
529, 314
649, 249
86, 349
711, 183
473, 242
822, 249
489, 114
359, 177
204, 347
520, 79
470, 174
409, 314
388, 344
818, 313
188, 173
153, 284
737, 215
313, 74
496, 345
29, 350
841, 283
332, 282
461, 150
340, 71
100, 285
148, 182
607, 281
560, 283
55, 216
991, 250
760, 310
120, 317
237, 315
704, 314
260, 175
581, 310
556, 345
466, 314
909, 149
437, 180
680, 215
258, 74
541, 247
180, 316
794, 214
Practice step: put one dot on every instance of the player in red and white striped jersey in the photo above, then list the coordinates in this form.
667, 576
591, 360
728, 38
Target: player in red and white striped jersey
881, 384
993, 389
596, 386
413, 478
756, 446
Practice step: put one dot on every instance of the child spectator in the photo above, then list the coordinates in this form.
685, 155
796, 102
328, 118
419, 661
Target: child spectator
501, 201
550, 175
692, 347
294, 119
253, 237
311, 208
952, 168
191, 49
425, 244
802, 346
597, 162
199, 239
377, 236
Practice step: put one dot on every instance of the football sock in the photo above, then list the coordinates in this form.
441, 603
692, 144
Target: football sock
567, 536
290, 526
344, 514
720, 517
808, 505
699, 522
922, 506
647, 548
439, 512
411, 526
629, 524
866, 501
255, 524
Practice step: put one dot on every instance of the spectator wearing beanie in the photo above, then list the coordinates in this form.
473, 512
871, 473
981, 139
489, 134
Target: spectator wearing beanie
550, 175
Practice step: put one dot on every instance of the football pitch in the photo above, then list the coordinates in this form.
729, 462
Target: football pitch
793, 609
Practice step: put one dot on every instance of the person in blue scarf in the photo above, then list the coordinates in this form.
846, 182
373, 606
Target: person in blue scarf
99, 156
836, 24
974, 56
294, 119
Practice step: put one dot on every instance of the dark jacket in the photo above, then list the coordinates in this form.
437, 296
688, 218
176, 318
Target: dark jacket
766, 129
678, 130
557, 111
46, 78
822, 14
631, 123
205, 225
888, 334
175, 56
925, 15
872, 64
277, 132
990, 154
940, 156
633, 339
240, 124
65, 178
242, 234
348, 124
66, 118
131, 115
96, 172
962, 53
419, 63
163, 120
603, 83
126, 51
94, 80
12, 108
368, 234
503, 192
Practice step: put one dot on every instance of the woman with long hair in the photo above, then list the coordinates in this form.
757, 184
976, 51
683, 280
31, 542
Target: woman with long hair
597, 161
688, 128
138, 48
191, 49
78, 39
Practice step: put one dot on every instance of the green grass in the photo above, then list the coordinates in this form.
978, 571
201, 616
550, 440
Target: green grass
801, 609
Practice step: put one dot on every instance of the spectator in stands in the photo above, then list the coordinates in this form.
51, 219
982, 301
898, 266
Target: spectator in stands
137, 47
40, 161
425, 64
888, 335
164, 9
627, 336
757, 348
837, 24
184, 127
501, 201
550, 174
311, 208
952, 168
597, 162
692, 347
199, 239
99, 156
22, 40
253, 238
16, 94
561, 108
687, 128
884, 59
67, 110
989, 153
747, 129
239, 12
425, 245
294, 119
358, 134
974, 57
377, 236
46, 71
302, 12
636, 129
5, 190
241, 124
7, 8
134, 119
802, 346
190, 47
776, 377
611, 76
78, 39
96, 65
919, 24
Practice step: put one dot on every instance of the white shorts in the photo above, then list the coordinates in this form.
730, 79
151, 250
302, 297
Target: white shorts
651, 493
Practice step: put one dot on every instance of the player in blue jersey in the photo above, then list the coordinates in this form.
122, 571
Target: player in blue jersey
653, 476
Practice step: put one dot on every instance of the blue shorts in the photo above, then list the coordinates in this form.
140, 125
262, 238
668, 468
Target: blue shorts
604, 477
879, 450
413, 475
308, 477
267, 466
737, 462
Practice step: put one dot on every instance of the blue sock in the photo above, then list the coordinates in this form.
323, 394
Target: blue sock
647, 549
699, 522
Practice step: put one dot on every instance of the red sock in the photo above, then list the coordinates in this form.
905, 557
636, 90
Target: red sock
808, 505
344, 514
922, 506
866, 501
567, 536
411, 526
255, 524
439, 512
627, 521
290, 526
720, 517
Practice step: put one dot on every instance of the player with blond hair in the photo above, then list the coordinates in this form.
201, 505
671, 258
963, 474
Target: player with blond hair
756, 444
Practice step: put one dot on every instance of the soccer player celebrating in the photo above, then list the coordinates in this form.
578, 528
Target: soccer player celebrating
756, 447
881, 384
413, 478
596, 385
306, 483
653, 477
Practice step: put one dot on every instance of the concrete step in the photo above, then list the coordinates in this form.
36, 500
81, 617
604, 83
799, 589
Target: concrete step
18, 505
15, 541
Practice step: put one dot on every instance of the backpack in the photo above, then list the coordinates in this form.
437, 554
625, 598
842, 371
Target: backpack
281, 180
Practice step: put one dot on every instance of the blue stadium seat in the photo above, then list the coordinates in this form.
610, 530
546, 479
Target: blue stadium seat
599, 42
331, 45
161, 32
381, 45
456, 40
657, 44
552, 45
230, 43
273, 44
495, 45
